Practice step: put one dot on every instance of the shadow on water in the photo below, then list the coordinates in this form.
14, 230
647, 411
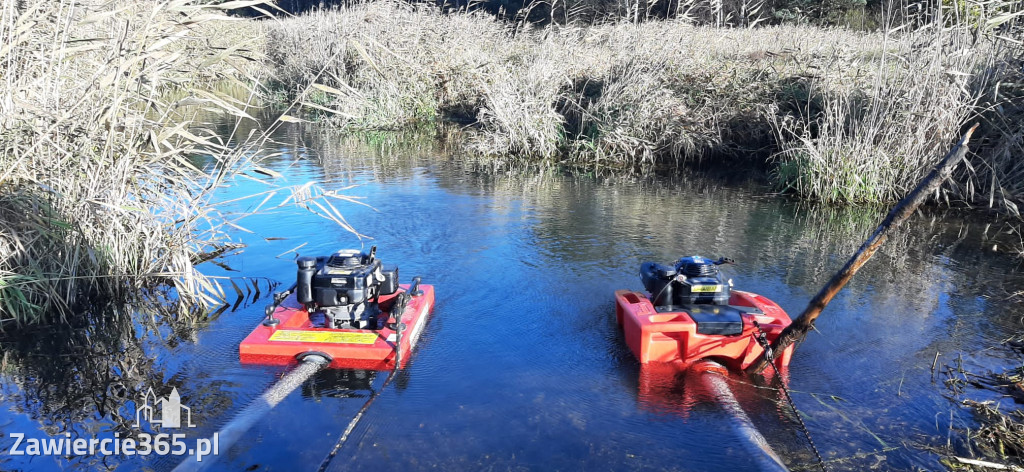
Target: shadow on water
86, 380
522, 366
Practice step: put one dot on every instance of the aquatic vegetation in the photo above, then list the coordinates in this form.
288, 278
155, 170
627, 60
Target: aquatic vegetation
997, 431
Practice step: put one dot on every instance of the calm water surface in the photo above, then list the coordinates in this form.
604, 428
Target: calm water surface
522, 366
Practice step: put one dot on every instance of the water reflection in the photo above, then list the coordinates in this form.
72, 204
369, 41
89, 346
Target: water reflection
87, 380
522, 366
904, 307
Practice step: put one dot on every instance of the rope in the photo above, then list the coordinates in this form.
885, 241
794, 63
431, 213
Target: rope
762, 339
397, 311
355, 420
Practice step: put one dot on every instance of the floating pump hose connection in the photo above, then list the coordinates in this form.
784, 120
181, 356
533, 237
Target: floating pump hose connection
309, 364
712, 376
237, 427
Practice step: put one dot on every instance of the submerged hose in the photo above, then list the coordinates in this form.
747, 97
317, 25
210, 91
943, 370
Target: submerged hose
711, 376
311, 364
241, 423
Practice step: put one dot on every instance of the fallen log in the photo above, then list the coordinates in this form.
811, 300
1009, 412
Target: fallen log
796, 331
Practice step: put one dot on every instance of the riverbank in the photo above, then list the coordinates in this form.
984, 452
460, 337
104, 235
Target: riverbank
836, 115
830, 114
107, 173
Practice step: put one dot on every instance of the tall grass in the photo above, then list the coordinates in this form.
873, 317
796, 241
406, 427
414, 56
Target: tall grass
850, 117
874, 142
620, 94
99, 196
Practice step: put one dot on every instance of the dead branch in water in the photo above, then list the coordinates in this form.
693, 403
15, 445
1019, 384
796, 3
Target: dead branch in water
805, 322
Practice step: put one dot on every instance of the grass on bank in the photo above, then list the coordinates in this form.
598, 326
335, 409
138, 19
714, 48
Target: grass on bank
618, 93
106, 175
840, 116
97, 196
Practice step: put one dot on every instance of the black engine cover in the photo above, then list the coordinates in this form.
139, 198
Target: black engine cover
692, 280
345, 278
341, 290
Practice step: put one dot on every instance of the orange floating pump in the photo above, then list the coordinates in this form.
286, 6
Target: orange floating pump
347, 308
690, 314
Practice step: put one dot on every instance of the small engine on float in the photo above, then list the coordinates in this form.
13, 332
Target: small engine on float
690, 312
341, 291
692, 280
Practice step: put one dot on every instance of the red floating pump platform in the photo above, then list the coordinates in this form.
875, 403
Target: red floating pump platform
693, 314
348, 308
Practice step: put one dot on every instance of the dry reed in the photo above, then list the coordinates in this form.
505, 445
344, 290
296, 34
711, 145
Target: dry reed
856, 116
621, 93
103, 190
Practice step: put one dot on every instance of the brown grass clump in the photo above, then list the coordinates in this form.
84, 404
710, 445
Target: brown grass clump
1001, 436
997, 441
875, 141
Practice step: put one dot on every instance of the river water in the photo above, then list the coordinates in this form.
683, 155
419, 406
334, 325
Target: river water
522, 366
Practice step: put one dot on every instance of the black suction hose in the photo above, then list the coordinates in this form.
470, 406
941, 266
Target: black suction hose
711, 376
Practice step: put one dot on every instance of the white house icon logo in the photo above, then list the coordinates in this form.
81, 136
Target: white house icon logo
170, 409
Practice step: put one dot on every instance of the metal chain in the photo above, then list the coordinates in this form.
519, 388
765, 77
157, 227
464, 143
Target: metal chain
762, 339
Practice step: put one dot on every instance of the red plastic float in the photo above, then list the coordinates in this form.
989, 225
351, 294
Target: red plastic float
692, 314
347, 308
